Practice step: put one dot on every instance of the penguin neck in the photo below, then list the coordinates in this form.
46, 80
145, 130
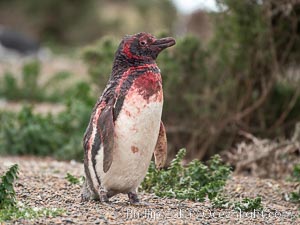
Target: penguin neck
124, 61
122, 64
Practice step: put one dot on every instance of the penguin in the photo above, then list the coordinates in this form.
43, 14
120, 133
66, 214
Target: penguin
125, 128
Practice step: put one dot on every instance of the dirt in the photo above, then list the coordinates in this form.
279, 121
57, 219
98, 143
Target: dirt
42, 183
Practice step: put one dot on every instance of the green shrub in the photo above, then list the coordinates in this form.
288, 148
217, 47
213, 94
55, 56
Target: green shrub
296, 172
295, 195
58, 135
28, 88
194, 182
249, 205
74, 180
244, 205
10, 208
7, 192
24, 212
27, 133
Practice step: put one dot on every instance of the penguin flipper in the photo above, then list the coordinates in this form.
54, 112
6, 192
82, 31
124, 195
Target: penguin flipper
106, 127
160, 151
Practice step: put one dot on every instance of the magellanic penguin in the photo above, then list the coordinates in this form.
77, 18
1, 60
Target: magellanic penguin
125, 127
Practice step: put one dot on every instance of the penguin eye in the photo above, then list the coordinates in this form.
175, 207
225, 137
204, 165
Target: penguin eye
143, 43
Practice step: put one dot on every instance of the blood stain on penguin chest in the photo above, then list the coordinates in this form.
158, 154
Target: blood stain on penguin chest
136, 132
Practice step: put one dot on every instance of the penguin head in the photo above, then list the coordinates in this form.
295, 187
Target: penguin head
143, 46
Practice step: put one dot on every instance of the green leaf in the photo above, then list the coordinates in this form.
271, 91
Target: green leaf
193, 181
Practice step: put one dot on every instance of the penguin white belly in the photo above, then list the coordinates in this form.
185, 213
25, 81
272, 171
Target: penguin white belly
136, 133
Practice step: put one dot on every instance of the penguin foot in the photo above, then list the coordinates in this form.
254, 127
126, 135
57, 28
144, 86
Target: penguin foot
133, 198
84, 197
103, 197
87, 194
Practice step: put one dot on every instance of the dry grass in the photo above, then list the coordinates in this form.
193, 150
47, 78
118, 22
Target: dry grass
264, 158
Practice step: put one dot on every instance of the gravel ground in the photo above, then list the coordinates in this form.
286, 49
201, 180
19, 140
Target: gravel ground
42, 183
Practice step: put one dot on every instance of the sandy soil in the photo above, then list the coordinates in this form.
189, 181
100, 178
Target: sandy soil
42, 183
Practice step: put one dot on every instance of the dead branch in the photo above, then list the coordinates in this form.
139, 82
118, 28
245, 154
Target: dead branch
241, 165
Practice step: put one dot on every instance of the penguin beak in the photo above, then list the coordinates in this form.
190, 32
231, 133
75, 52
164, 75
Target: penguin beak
161, 44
